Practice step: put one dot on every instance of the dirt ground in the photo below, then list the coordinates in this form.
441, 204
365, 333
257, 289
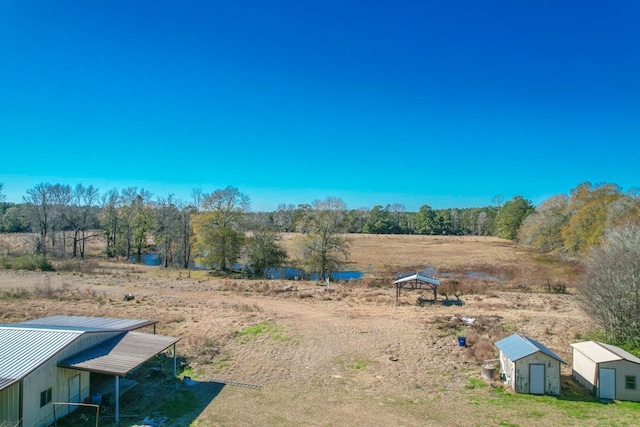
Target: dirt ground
285, 353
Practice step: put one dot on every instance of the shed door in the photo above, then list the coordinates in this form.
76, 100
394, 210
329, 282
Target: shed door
74, 389
536, 379
607, 383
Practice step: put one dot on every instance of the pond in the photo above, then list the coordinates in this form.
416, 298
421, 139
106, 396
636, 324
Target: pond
288, 273
153, 259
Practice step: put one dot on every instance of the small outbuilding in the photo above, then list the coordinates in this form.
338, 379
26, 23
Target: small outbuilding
607, 371
528, 366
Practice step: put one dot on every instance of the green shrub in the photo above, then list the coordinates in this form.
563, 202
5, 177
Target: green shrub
32, 263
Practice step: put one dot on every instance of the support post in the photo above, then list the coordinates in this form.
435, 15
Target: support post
175, 361
117, 399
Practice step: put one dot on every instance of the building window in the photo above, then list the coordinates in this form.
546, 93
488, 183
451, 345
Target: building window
45, 397
630, 382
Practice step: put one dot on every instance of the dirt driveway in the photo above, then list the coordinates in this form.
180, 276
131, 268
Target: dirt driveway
341, 358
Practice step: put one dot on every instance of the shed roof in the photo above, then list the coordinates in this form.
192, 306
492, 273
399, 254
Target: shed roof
25, 349
88, 323
601, 352
27, 345
121, 354
517, 346
420, 278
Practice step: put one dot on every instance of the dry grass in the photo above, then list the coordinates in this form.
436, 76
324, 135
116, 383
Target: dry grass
343, 357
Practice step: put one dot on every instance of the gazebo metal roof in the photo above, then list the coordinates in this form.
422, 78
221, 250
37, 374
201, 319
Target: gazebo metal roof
417, 281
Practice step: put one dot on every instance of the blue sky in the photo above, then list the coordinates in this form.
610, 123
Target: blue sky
415, 102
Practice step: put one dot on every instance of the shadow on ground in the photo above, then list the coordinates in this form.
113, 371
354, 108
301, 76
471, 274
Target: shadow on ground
571, 390
165, 402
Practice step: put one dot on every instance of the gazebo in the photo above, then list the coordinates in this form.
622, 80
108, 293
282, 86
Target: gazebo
417, 281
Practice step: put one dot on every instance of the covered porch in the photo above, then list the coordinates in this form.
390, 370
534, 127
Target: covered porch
116, 358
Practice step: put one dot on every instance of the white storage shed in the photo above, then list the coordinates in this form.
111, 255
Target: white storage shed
607, 371
528, 366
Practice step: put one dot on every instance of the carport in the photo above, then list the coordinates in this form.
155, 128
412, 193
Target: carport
120, 355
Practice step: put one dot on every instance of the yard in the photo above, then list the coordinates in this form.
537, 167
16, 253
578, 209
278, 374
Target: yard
291, 353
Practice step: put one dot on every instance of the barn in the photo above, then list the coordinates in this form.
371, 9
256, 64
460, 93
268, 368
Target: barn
55, 361
607, 371
528, 366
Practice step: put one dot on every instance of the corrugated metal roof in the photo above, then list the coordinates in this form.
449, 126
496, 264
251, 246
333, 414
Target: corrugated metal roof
121, 354
24, 349
517, 346
26, 345
601, 352
419, 277
89, 323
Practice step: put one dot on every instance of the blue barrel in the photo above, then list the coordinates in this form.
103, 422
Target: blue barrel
462, 341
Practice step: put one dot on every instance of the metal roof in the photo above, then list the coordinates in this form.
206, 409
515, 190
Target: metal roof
418, 277
88, 323
26, 345
601, 352
517, 346
119, 355
24, 349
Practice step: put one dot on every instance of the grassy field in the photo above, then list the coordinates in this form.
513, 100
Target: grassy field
290, 353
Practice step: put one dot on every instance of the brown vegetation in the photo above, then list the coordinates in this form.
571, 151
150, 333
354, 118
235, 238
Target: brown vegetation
345, 356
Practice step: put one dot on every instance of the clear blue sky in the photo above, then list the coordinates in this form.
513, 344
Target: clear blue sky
415, 102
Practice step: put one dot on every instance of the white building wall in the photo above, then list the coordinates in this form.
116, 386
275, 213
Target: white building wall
10, 405
35, 383
624, 368
585, 370
48, 375
551, 373
507, 369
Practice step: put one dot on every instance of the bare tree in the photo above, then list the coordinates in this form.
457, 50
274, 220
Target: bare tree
79, 216
2, 196
39, 206
167, 226
543, 229
110, 219
610, 288
284, 216
184, 233
198, 198
61, 201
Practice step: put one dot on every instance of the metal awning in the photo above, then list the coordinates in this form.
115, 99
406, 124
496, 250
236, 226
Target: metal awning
84, 323
420, 278
417, 281
119, 355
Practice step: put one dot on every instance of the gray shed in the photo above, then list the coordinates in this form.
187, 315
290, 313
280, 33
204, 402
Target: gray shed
528, 366
49, 360
607, 371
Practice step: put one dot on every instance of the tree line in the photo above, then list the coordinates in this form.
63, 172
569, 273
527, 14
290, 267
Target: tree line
216, 229
598, 224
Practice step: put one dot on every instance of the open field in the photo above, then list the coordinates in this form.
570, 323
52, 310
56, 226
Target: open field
319, 358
